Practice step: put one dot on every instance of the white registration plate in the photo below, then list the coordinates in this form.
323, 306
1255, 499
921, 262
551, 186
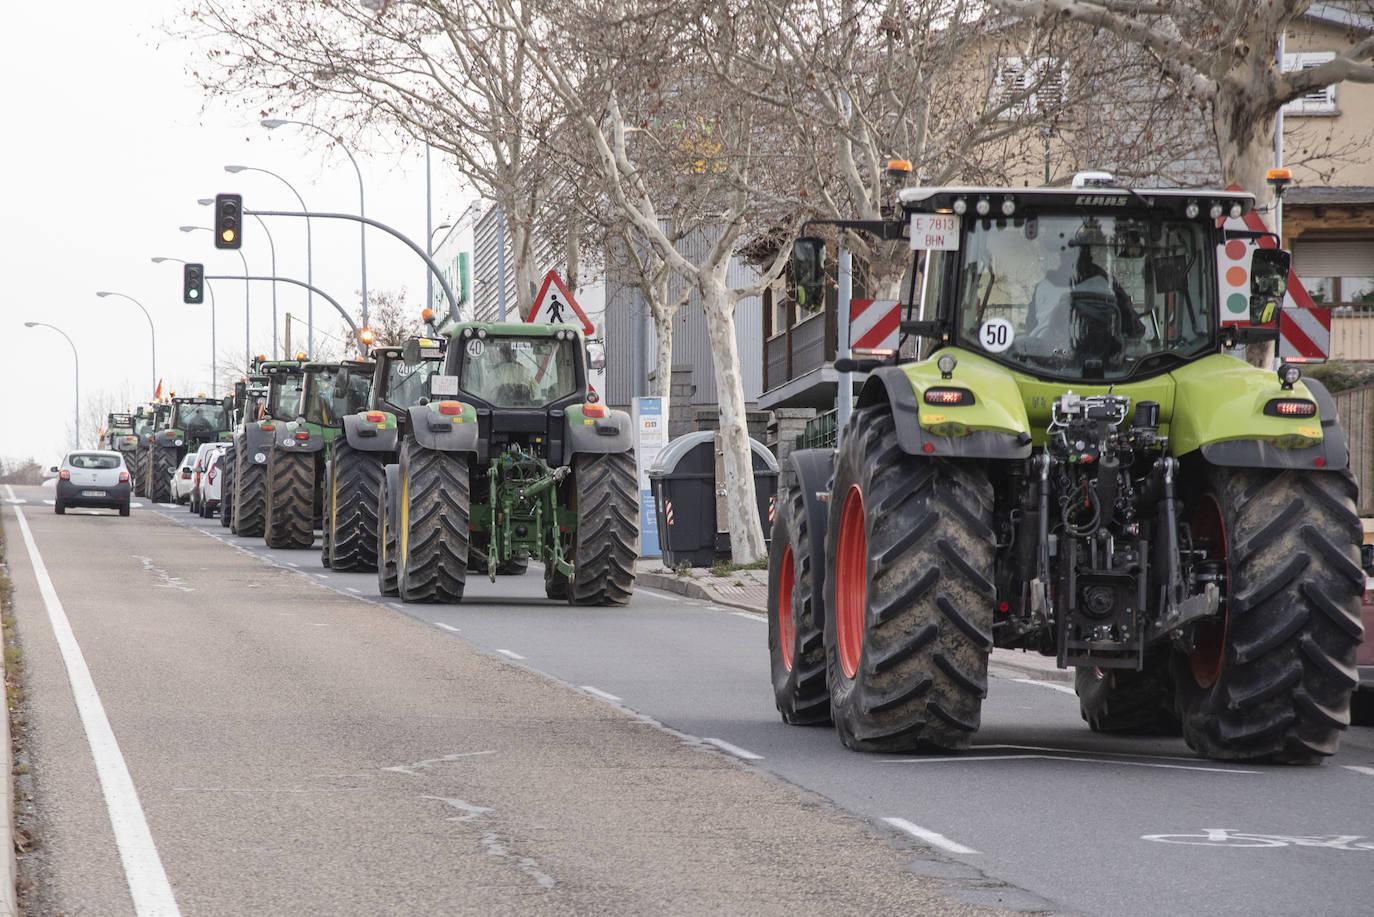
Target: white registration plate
92, 493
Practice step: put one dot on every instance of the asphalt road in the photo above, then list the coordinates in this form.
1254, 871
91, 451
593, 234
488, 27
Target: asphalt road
301, 744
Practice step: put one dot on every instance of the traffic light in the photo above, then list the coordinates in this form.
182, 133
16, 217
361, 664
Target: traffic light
192, 283
228, 220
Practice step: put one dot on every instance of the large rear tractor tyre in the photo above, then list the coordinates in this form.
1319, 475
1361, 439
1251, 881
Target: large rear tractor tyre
250, 499
161, 464
290, 499
226, 486
1124, 700
555, 583
386, 533
134, 462
909, 596
353, 482
605, 546
796, 645
1272, 679
432, 532
326, 500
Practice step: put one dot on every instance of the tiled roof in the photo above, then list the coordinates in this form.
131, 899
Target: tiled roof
1317, 195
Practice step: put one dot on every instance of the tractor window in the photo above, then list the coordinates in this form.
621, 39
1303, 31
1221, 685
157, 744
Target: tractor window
333, 394
406, 384
284, 401
1075, 297
201, 418
518, 371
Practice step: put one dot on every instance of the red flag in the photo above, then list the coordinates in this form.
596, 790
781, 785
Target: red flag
157, 395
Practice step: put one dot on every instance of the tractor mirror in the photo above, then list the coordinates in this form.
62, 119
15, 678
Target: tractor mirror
596, 356
808, 272
1268, 282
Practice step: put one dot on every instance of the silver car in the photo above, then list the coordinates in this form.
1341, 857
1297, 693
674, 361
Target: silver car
92, 478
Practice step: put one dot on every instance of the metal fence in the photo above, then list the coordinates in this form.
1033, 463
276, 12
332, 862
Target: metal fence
1356, 409
1352, 333
821, 432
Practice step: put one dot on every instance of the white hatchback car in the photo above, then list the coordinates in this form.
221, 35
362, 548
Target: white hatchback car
209, 483
92, 478
183, 476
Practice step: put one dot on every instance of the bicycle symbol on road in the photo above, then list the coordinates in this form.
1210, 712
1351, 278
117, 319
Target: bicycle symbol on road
1229, 837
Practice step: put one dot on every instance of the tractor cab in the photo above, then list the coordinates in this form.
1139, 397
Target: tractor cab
403, 373
285, 383
333, 390
201, 419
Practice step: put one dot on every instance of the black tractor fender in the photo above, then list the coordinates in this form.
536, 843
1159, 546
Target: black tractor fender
888, 384
257, 443
289, 439
814, 469
369, 437
439, 432
1331, 454
612, 433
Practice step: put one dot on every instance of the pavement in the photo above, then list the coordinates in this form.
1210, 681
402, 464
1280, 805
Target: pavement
748, 590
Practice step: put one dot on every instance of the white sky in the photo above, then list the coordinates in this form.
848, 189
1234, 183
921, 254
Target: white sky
103, 156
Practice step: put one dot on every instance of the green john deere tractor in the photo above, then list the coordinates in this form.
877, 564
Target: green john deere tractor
265, 418
191, 423
146, 422
353, 475
297, 459
1075, 466
511, 457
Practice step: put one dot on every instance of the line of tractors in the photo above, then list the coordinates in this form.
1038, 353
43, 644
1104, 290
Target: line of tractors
479, 447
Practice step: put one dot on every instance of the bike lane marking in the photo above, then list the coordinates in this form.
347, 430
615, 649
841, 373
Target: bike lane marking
148, 884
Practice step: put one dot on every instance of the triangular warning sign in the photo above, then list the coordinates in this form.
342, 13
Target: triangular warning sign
557, 306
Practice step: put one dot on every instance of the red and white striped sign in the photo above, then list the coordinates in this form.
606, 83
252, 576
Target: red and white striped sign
874, 324
772, 509
668, 511
1304, 327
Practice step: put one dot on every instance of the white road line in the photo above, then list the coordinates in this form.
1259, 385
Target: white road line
320, 575
290, 563
599, 693
50, 502
354, 591
749, 616
510, 654
1359, 770
1062, 689
397, 605
152, 893
933, 838
733, 749
1077, 759
663, 594
448, 627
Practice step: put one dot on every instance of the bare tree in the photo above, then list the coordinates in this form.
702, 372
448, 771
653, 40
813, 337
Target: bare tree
389, 319
1223, 55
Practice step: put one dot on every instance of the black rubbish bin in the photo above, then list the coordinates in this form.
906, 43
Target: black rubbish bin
683, 480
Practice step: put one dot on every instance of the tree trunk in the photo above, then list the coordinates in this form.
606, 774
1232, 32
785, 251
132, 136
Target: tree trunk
663, 353
742, 519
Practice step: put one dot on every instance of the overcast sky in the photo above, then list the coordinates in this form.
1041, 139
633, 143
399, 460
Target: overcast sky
105, 153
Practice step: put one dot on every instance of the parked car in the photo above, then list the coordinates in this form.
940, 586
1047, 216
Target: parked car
182, 479
92, 478
209, 484
200, 460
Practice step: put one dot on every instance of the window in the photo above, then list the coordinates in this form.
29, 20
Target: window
1318, 101
518, 371
1028, 85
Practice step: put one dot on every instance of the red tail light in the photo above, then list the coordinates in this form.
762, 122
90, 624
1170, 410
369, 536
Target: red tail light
268, 427
124, 477
375, 417
593, 410
303, 435
450, 408
65, 475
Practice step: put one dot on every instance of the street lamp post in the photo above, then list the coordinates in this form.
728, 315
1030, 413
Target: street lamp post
247, 343
214, 359
271, 123
309, 263
76, 365
152, 331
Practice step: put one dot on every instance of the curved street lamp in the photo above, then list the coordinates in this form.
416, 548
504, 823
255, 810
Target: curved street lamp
152, 332
309, 261
76, 364
271, 123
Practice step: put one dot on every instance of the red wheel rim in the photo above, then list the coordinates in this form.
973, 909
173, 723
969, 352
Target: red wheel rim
787, 630
1209, 645
851, 581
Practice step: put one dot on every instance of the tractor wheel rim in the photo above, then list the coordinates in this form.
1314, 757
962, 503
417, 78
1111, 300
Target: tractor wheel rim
787, 630
1209, 644
851, 581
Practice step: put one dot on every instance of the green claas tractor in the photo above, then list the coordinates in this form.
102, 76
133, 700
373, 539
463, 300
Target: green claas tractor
191, 423
119, 435
297, 459
353, 475
1075, 465
264, 420
510, 456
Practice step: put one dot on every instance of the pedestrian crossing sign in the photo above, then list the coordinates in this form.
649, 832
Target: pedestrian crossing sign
555, 305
